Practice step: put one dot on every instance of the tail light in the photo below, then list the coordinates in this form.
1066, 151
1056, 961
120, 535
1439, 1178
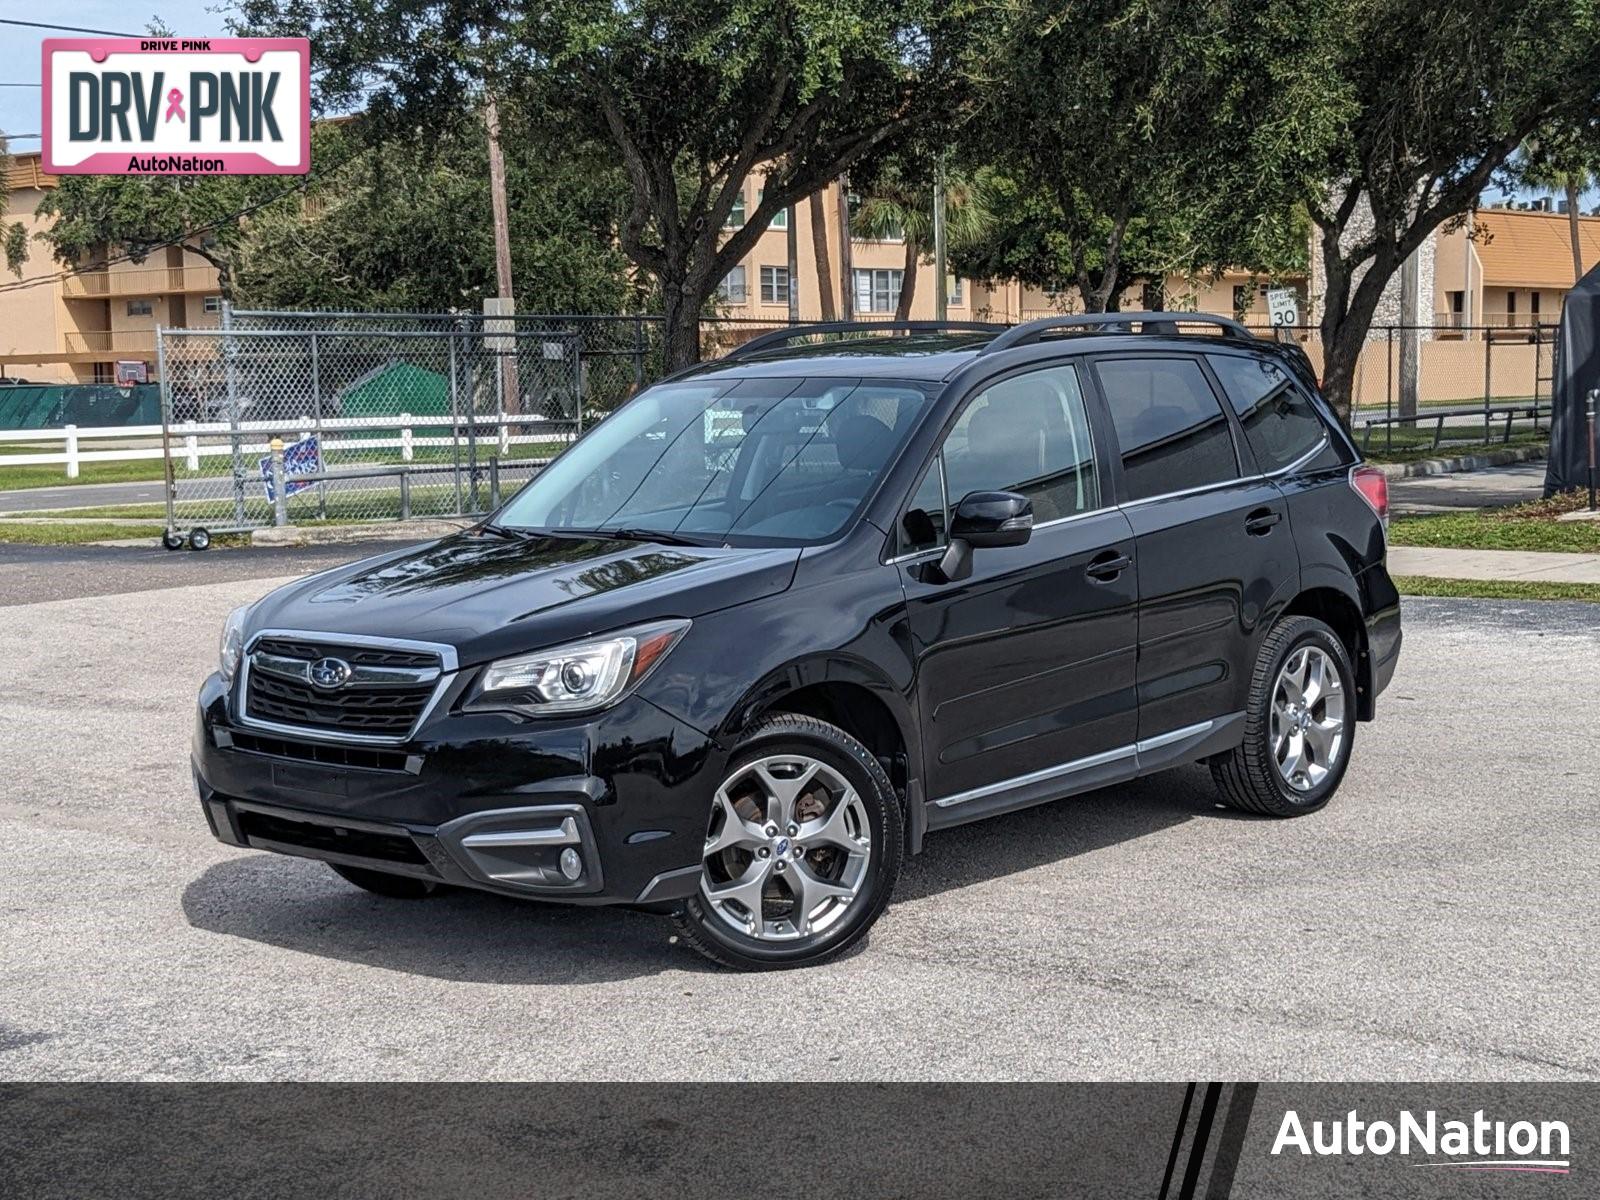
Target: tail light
1372, 485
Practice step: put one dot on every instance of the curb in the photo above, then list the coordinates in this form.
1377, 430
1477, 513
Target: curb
1463, 463
335, 535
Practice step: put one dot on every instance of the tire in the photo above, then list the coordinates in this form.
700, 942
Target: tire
382, 883
838, 792
1260, 774
199, 539
172, 540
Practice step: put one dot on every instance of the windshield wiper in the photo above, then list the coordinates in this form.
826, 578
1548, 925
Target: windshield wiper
662, 536
510, 533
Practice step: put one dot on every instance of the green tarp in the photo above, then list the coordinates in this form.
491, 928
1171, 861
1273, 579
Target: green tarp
88, 406
396, 388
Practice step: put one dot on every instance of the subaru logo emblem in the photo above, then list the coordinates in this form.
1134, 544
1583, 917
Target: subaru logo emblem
782, 847
329, 673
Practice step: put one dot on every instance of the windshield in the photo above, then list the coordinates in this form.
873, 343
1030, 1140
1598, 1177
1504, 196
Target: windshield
754, 461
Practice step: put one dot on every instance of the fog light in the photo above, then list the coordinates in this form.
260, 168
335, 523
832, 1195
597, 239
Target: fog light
571, 864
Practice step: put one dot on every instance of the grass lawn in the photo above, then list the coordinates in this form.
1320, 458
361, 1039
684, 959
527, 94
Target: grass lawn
135, 471
45, 533
1497, 589
1414, 446
1520, 527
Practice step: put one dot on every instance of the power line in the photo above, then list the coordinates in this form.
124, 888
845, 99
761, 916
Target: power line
68, 28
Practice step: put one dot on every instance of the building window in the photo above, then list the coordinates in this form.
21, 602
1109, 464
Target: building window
736, 214
1241, 299
774, 285
780, 219
1533, 306
1511, 308
878, 291
732, 289
212, 304
140, 308
955, 292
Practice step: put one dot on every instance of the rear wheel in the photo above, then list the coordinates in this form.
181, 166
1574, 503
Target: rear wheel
1299, 725
802, 849
382, 883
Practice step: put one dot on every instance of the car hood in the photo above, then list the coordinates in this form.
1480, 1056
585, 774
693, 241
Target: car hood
491, 596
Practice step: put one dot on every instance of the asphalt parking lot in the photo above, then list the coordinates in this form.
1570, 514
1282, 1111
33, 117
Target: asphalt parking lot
1437, 922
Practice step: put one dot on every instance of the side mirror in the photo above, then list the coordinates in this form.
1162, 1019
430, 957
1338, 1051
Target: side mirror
985, 519
993, 519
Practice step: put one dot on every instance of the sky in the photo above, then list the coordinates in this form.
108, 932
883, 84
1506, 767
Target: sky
19, 52
19, 45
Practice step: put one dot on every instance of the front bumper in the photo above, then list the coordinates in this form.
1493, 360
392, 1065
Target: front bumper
485, 801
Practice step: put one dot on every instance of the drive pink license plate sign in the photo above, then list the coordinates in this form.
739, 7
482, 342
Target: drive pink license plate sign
177, 106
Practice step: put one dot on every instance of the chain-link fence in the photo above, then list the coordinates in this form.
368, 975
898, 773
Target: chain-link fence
395, 415
327, 422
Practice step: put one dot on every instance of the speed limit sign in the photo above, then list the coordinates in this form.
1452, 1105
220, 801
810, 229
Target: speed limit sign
1283, 306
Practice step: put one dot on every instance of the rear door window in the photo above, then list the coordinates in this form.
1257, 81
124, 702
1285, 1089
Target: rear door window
1278, 419
1171, 430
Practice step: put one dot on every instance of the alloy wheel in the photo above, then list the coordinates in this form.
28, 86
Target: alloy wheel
1308, 722
788, 849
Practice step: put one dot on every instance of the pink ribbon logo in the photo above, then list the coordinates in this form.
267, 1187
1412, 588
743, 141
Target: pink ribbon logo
175, 105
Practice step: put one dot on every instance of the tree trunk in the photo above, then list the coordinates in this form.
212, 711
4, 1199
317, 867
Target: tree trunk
1340, 354
680, 326
908, 282
819, 248
1572, 227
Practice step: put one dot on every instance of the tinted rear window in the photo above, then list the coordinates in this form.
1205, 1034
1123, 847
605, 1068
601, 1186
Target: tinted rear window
1171, 430
1278, 418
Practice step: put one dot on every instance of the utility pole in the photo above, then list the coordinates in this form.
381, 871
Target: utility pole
505, 305
941, 297
792, 217
1410, 349
847, 276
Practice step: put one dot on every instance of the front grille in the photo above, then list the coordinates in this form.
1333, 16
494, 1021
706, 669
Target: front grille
313, 752
388, 712
358, 656
371, 709
338, 839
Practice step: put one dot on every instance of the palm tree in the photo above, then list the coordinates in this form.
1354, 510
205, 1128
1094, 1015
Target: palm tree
1565, 163
901, 207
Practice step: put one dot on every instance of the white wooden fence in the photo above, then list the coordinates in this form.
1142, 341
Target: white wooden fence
193, 440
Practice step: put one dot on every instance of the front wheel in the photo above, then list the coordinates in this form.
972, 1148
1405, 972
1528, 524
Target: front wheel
802, 849
1299, 725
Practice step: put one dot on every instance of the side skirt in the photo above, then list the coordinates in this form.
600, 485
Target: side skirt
1189, 744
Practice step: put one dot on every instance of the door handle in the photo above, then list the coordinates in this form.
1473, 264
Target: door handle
1107, 565
1260, 522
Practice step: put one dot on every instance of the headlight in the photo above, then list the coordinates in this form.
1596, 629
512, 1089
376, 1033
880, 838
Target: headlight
231, 645
579, 677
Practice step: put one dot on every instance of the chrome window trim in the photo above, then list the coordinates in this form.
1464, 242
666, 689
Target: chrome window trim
1131, 750
449, 664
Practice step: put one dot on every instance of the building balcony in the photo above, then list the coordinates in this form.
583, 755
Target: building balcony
142, 281
132, 343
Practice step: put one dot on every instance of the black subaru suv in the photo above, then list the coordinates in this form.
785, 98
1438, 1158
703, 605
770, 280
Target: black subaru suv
737, 651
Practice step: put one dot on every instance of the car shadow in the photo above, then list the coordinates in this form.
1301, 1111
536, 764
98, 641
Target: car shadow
1061, 830
474, 937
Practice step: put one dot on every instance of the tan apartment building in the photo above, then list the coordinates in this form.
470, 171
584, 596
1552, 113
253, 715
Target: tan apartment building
757, 289
1509, 266
58, 326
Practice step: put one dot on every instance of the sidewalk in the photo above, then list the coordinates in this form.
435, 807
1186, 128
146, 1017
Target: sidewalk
1528, 565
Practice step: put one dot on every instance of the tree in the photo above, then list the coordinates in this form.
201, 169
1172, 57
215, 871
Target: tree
13, 234
408, 228
1439, 95
900, 205
1144, 137
1565, 160
138, 214
692, 97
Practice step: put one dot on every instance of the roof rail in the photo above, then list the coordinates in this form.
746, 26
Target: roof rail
1032, 331
781, 336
